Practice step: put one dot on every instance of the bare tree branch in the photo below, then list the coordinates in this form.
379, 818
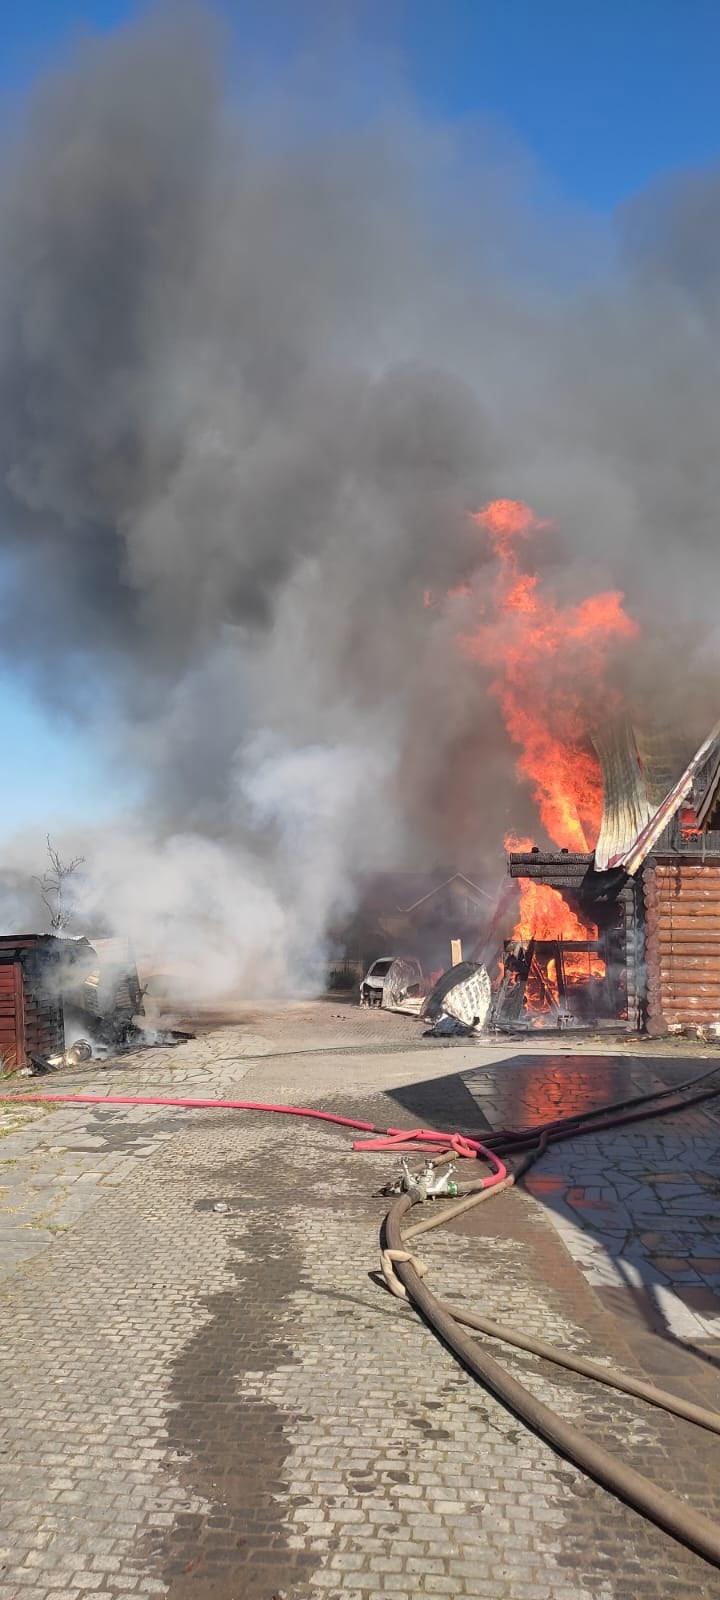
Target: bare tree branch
53, 885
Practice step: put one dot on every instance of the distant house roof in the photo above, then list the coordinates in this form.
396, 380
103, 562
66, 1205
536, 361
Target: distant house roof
470, 888
397, 893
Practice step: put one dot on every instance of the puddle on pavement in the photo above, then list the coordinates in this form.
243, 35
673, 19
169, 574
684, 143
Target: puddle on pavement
230, 1448
525, 1090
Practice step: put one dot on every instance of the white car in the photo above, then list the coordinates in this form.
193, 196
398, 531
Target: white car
393, 981
371, 988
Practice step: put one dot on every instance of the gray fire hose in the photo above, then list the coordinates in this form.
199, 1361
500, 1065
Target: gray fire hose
677, 1518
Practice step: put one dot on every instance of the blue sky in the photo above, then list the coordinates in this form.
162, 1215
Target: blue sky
51, 774
606, 93
606, 96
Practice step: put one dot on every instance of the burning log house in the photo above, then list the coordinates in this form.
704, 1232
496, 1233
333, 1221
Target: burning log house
620, 924
628, 934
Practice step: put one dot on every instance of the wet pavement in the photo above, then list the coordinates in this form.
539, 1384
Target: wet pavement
638, 1207
215, 1404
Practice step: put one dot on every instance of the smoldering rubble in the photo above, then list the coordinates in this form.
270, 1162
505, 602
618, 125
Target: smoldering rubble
68, 1001
255, 370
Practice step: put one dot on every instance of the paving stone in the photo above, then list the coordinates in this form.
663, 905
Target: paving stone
223, 1400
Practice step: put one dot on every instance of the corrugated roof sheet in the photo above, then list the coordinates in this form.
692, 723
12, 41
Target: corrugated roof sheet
646, 778
627, 805
640, 768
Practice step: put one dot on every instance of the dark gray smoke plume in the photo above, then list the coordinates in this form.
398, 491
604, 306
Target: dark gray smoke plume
254, 372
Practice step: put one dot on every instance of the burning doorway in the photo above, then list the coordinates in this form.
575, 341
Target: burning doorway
574, 960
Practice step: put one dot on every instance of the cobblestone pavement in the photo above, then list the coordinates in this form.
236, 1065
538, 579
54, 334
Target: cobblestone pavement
222, 1403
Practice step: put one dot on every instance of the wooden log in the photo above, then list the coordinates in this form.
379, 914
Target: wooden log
696, 959
683, 869
685, 896
673, 889
689, 1005
692, 1014
657, 973
685, 994
672, 876
685, 983
705, 1004
681, 961
684, 906
693, 872
705, 883
685, 903
681, 991
688, 924
683, 915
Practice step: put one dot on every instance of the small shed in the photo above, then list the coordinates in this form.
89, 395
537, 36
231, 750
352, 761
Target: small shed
45, 981
33, 970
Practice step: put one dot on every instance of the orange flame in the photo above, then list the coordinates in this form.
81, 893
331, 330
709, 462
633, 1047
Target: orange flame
544, 914
539, 650
540, 653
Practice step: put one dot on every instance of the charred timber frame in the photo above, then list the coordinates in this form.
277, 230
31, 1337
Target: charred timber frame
567, 872
560, 869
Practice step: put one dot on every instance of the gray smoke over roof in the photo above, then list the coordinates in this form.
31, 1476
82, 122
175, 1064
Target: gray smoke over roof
254, 371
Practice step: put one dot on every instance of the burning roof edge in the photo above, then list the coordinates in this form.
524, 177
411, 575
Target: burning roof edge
642, 791
638, 770
636, 810
708, 811
649, 836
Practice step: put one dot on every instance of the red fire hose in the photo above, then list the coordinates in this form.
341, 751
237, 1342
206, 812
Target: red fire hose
187, 1104
505, 1140
397, 1139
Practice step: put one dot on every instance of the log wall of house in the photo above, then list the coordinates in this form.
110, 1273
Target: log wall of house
632, 904
682, 943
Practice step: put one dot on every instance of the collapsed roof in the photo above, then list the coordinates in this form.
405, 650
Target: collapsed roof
645, 782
